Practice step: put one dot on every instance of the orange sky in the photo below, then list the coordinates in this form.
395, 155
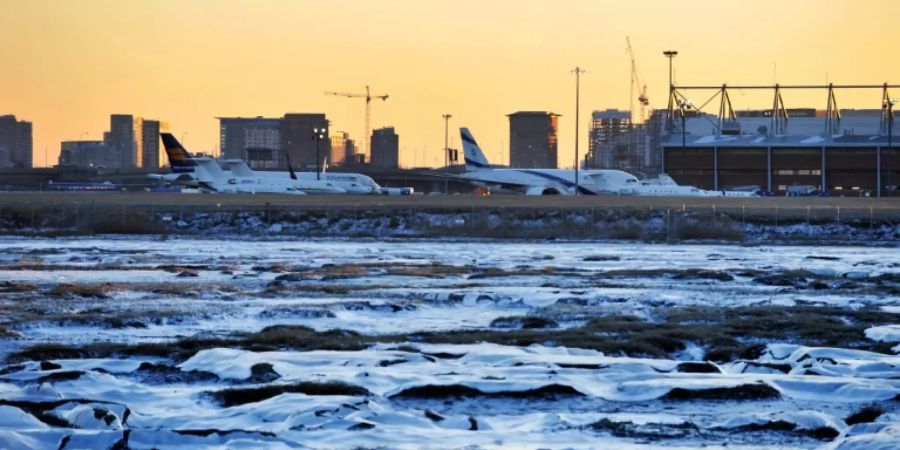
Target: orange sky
66, 65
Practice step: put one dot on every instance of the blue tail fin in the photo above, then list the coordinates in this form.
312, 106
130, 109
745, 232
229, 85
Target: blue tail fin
179, 159
475, 158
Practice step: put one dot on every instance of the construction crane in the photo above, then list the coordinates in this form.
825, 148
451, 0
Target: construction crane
368, 96
636, 81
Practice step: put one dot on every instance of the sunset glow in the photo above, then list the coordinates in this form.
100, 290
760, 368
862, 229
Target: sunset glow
67, 65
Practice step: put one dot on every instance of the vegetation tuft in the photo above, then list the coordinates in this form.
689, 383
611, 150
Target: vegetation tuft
728, 334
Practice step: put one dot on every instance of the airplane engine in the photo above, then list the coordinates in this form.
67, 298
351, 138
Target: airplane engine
542, 190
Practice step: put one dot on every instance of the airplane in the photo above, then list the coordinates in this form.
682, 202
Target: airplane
205, 172
539, 181
562, 181
184, 173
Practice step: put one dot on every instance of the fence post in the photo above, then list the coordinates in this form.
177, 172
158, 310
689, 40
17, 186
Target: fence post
838, 209
668, 224
776, 216
871, 219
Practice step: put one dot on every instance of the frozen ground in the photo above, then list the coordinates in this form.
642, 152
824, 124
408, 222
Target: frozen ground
191, 343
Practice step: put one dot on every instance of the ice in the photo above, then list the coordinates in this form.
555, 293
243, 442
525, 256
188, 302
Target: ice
543, 395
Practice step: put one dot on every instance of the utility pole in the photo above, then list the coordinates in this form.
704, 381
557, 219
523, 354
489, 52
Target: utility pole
577, 71
446, 150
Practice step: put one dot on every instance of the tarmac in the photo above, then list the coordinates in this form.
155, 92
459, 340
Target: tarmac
785, 207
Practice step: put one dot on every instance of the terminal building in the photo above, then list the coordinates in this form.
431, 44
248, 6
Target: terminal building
533, 139
15, 142
87, 154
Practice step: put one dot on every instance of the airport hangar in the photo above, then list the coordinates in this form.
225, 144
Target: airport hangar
844, 165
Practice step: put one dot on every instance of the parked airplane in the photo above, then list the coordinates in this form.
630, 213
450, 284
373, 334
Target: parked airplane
185, 172
537, 181
352, 183
562, 181
206, 173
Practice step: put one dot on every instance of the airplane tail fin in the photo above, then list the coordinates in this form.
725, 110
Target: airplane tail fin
239, 168
472, 153
179, 159
210, 171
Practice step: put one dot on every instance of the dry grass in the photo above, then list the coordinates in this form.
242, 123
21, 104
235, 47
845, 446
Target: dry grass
729, 334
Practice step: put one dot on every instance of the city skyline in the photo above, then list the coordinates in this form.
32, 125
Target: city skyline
73, 64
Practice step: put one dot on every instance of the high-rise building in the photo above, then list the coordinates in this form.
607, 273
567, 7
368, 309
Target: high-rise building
15, 142
385, 148
150, 130
342, 148
533, 139
299, 142
255, 140
126, 140
610, 140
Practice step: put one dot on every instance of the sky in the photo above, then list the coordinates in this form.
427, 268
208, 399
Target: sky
67, 65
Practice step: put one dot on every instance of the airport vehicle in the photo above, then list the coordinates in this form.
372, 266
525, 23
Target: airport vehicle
69, 186
396, 191
205, 172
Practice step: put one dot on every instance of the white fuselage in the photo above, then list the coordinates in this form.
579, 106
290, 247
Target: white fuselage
553, 181
350, 183
284, 186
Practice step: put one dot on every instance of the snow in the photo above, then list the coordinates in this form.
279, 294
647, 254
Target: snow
885, 333
821, 385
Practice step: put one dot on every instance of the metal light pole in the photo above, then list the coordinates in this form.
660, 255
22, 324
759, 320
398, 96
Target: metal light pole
446, 150
318, 135
683, 106
671, 55
890, 130
577, 71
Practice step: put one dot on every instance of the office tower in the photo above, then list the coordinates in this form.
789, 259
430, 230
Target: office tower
299, 142
385, 148
15, 142
150, 130
126, 140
